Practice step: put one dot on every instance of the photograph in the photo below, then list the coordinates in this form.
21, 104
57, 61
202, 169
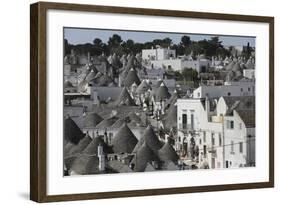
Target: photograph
149, 101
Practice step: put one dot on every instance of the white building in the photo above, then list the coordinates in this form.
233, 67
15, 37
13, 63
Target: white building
249, 73
166, 58
158, 53
241, 88
178, 64
217, 133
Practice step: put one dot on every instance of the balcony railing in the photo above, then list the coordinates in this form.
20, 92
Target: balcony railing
185, 127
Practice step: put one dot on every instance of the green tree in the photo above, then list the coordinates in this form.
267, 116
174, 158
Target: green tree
185, 41
189, 74
97, 42
115, 41
166, 42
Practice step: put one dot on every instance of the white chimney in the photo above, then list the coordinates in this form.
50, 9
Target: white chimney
101, 158
207, 106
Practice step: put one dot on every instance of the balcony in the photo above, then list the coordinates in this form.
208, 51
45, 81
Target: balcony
186, 128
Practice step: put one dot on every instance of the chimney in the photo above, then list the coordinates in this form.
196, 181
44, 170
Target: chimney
95, 96
88, 57
207, 106
101, 158
105, 137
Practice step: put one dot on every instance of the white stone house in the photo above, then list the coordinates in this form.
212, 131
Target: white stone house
241, 88
223, 131
158, 53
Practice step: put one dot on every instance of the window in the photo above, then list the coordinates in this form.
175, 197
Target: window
241, 147
232, 148
200, 141
110, 137
204, 150
213, 139
204, 136
192, 121
240, 126
230, 124
198, 95
249, 89
228, 94
220, 140
241, 89
184, 121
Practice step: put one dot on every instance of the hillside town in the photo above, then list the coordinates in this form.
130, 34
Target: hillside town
157, 110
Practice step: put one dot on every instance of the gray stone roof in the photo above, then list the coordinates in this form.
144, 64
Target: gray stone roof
143, 87
92, 147
143, 156
85, 164
72, 132
119, 166
162, 93
131, 78
68, 84
107, 123
170, 120
168, 153
244, 106
92, 120
78, 149
124, 140
150, 138
230, 65
248, 117
124, 98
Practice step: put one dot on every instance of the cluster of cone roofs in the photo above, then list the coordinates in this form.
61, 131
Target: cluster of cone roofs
105, 75
235, 69
81, 151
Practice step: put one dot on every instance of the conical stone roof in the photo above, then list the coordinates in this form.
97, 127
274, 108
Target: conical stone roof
168, 153
92, 147
72, 132
134, 118
85, 164
162, 93
144, 156
67, 148
124, 98
173, 98
230, 65
131, 78
77, 149
92, 120
68, 84
107, 123
118, 124
143, 87
250, 64
171, 118
124, 140
149, 137
90, 76
236, 67
104, 80
158, 83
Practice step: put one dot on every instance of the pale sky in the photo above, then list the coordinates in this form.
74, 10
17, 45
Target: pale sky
81, 36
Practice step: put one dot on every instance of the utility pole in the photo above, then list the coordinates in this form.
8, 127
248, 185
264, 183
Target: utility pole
223, 143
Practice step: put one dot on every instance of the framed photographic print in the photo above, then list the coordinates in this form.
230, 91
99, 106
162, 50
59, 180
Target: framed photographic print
134, 102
